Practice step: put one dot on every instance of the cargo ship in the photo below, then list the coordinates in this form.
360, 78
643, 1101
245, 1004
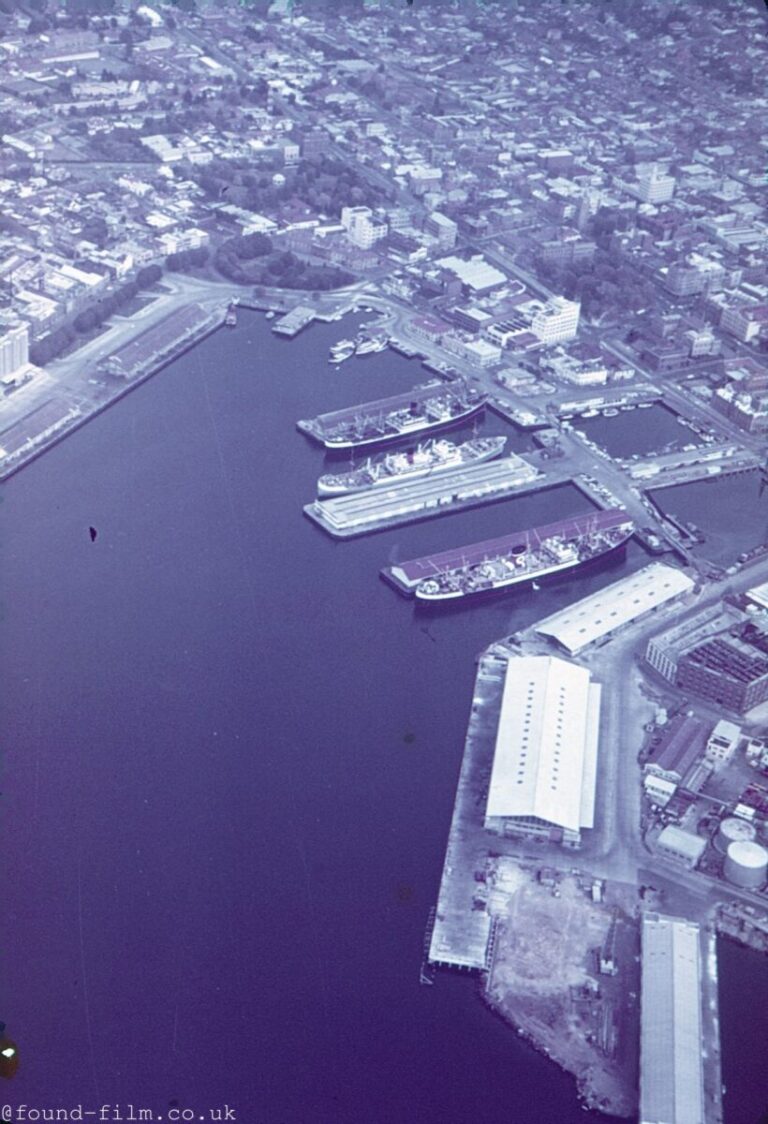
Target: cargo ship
425, 408
435, 456
513, 560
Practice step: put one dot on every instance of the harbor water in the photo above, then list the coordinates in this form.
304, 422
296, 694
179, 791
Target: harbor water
231, 758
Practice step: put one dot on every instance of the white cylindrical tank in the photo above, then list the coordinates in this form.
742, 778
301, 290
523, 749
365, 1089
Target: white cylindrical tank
746, 864
733, 830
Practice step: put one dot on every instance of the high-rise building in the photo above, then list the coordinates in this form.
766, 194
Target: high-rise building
14, 348
557, 321
362, 228
443, 228
655, 186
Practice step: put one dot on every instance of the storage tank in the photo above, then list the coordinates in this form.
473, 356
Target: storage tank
733, 830
746, 864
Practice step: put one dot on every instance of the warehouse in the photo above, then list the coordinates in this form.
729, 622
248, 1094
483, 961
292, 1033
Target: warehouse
545, 760
671, 1064
596, 617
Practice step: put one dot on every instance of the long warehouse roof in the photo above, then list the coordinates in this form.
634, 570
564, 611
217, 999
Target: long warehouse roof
545, 761
671, 1070
600, 614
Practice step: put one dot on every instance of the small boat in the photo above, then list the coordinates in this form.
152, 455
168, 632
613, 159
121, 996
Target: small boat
269, 315
589, 414
611, 412
368, 347
644, 405
231, 317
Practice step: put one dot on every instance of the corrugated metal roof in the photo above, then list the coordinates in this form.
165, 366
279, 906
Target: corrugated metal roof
671, 1067
546, 743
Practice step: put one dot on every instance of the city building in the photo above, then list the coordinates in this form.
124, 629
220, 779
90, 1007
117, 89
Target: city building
443, 228
596, 617
557, 321
677, 748
14, 348
663, 651
477, 276
545, 759
362, 228
654, 186
722, 743
731, 668
671, 1056
680, 846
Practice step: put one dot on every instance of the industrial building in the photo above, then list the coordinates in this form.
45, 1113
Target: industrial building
731, 668
545, 758
681, 846
671, 1059
677, 748
596, 617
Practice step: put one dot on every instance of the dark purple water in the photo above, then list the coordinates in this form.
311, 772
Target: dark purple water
231, 755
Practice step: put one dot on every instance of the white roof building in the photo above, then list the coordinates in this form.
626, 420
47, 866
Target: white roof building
477, 274
597, 616
671, 1067
545, 759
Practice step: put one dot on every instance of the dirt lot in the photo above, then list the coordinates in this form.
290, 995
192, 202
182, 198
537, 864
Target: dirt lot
545, 980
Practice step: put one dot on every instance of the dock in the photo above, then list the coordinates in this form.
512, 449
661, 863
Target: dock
292, 323
364, 512
461, 934
161, 343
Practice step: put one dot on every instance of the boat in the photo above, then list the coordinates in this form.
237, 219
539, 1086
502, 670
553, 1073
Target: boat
231, 316
521, 558
428, 407
368, 347
644, 405
425, 460
589, 414
341, 351
269, 315
611, 412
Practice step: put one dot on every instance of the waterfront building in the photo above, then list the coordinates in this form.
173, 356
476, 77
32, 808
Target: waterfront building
14, 348
663, 651
671, 1057
545, 758
596, 617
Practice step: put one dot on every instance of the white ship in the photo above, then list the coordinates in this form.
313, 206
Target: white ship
435, 456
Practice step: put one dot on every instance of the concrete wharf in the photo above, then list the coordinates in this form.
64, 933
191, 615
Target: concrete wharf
292, 323
364, 512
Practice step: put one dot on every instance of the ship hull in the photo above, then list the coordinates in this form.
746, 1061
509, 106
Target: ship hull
328, 490
427, 426
521, 582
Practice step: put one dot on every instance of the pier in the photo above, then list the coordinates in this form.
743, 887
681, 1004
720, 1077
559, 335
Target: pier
161, 343
292, 323
363, 512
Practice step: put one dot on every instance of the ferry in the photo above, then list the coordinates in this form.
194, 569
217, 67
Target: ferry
435, 456
522, 558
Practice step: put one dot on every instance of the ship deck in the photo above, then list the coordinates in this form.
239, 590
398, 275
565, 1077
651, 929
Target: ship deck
405, 576
406, 501
318, 427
